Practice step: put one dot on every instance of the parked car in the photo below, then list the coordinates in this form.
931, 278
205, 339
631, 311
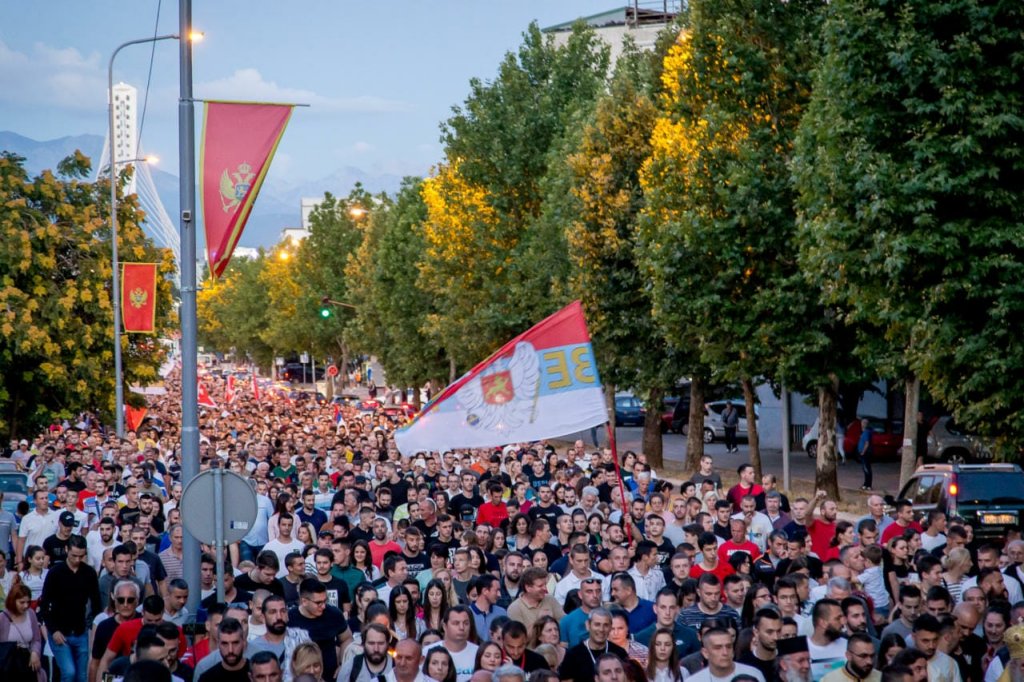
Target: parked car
346, 399
886, 437
629, 411
810, 440
293, 373
403, 411
680, 415
668, 411
990, 497
14, 486
948, 442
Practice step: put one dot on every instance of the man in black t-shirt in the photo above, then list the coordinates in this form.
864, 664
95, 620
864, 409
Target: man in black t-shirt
467, 496
415, 558
233, 666
325, 624
579, 664
56, 545
545, 508
337, 589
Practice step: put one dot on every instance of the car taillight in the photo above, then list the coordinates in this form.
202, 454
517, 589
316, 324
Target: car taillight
953, 489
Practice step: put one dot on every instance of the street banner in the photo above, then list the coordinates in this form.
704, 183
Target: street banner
238, 143
541, 384
229, 391
138, 297
204, 398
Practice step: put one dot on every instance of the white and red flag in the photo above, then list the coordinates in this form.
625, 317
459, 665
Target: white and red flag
229, 391
204, 398
541, 384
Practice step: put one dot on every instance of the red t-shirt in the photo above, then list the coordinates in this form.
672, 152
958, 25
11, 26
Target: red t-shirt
821, 535
377, 551
721, 570
737, 493
728, 548
127, 632
492, 514
894, 529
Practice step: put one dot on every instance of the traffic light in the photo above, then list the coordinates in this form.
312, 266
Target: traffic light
325, 307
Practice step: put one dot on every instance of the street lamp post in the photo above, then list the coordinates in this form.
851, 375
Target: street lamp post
118, 388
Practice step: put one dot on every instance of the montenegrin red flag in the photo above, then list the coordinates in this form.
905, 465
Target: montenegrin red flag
229, 391
255, 388
541, 384
238, 142
138, 297
204, 398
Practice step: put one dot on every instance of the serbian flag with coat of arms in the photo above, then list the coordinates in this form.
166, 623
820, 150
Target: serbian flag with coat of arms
541, 384
238, 143
138, 297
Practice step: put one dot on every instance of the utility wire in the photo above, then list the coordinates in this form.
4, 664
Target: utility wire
149, 78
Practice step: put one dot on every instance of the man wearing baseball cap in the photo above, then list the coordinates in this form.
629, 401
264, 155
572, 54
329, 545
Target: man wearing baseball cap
56, 546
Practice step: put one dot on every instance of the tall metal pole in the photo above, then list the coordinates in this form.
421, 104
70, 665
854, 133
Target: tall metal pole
116, 284
189, 369
786, 427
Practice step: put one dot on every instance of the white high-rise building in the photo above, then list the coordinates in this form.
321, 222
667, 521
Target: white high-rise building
126, 127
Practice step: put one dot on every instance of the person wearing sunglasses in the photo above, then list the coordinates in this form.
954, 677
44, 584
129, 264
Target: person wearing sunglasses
124, 598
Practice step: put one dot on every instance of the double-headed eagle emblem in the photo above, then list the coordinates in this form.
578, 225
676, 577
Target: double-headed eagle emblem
137, 297
234, 186
504, 395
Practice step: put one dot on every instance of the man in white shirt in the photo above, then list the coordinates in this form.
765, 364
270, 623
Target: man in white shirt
456, 641
408, 654
38, 524
579, 563
988, 557
100, 540
759, 526
827, 645
941, 667
935, 534
717, 649
284, 544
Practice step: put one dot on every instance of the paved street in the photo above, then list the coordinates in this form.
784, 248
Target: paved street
886, 472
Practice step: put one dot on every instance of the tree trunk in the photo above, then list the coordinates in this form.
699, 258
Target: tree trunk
652, 443
417, 401
908, 460
695, 429
609, 400
344, 364
753, 439
826, 476
452, 376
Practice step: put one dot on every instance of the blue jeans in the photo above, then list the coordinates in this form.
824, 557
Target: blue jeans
72, 657
247, 552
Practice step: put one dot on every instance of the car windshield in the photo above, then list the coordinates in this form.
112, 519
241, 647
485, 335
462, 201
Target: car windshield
991, 487
13, 483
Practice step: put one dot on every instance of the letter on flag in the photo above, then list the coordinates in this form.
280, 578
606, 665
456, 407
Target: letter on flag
238, 143
138, 297
541, 384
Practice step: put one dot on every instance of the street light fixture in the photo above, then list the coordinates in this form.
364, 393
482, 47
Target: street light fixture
118, 371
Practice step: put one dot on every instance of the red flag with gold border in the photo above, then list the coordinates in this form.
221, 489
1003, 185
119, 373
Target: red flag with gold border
238, 143
138, 297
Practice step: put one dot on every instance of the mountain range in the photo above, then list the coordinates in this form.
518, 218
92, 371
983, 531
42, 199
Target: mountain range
277, 207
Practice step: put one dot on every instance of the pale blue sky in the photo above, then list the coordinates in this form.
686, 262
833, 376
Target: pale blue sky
380, 75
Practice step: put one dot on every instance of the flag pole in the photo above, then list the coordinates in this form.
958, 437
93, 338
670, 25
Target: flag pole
189, 369
622, 485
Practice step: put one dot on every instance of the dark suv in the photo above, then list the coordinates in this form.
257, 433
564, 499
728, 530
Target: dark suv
990, 497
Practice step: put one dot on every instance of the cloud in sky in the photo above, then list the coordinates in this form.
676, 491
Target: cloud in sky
249, 84
53, 77
362, 147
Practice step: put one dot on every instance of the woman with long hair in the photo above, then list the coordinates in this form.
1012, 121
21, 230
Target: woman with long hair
365, 595
499, 542
519, 532
306, 534
284, 504
741, 563
307, 659
445, 576
18, 624
896, 565
579, 521
363, 560
891, 644
545, 631
403, 614
663, 658
488, 657
757, 597
958, 564
595, 528
435, 605
438, 665
35, 572
845, 535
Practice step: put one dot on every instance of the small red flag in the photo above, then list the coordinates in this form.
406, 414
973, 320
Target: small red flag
138, 297
255, 388
229, 393
133, 417
238, 142
204, 398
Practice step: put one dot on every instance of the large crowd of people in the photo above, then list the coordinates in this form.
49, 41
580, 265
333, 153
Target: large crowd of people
528, 562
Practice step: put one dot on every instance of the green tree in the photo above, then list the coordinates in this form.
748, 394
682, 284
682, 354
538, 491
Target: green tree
721, 216
909, 167
233, 311
56, 317
483, 202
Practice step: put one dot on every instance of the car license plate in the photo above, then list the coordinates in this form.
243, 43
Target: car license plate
998, 519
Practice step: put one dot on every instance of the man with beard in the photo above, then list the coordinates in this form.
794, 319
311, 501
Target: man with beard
374, 662
794, 659
860, 660
279, 639
941, 668
512, 571
762, 653
233, 666
415, 558
970, 647
325, 624
826, 645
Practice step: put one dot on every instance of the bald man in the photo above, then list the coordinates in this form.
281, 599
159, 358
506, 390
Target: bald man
408, 656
